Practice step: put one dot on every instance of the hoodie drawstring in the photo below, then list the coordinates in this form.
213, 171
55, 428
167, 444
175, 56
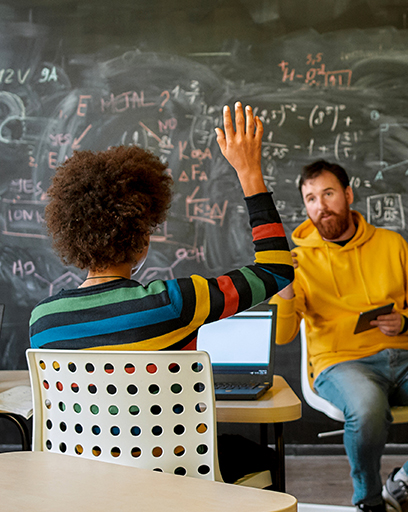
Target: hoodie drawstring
336, 289
360, 271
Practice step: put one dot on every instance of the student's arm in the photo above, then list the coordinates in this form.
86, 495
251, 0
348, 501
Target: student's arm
242, 147
272, 269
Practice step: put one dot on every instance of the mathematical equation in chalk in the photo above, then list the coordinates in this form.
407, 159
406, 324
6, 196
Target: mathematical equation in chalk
315, 73
386, 210
185, 141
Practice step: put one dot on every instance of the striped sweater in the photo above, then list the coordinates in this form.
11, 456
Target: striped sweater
126, 315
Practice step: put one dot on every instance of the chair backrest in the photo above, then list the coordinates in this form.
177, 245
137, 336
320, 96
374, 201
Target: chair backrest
153, 410
306, 380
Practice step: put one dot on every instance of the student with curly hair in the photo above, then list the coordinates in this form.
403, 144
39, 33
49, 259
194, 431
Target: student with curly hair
104, 206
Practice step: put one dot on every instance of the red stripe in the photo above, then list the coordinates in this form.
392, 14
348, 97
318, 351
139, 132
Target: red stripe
231, 297
192, 345
268, 231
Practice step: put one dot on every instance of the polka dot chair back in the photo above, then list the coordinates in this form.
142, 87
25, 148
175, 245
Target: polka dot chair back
153, 410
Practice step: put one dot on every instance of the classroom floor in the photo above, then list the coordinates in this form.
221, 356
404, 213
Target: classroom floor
325, 479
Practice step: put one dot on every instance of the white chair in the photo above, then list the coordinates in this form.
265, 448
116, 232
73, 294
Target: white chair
148, 409
399, 414
154, 410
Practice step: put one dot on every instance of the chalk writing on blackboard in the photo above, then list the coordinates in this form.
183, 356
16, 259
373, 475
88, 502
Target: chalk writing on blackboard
316, 76
341, 99
385, 210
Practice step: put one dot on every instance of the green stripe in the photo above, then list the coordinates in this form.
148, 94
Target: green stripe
258, 292
70, 304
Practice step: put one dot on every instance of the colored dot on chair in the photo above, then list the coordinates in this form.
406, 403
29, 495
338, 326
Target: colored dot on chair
109, 368
130, 368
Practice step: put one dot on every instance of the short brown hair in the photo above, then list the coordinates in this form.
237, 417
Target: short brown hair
315, 169
103, 205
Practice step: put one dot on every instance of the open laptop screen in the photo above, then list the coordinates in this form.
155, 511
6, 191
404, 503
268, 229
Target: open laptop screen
239, 344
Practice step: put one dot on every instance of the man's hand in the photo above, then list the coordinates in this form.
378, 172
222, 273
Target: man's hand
390, 325
294, 259
242, 147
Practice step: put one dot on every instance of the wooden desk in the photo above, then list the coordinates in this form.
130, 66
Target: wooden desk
46, 482
9, 379
278, 405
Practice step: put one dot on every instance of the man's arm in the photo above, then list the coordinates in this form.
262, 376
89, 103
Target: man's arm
396, 322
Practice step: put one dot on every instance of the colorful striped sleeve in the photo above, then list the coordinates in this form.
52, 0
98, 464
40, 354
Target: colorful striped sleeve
272, 270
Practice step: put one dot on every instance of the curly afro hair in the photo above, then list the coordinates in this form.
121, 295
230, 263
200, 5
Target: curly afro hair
104, 205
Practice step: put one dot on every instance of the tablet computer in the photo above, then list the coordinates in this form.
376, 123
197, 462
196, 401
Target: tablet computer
363, 323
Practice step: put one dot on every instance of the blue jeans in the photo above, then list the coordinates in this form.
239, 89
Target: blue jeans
364, 390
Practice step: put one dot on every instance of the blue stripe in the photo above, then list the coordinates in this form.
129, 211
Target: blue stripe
175, 296
114, 324
282, 282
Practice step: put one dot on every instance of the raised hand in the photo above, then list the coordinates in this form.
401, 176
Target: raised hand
242, 147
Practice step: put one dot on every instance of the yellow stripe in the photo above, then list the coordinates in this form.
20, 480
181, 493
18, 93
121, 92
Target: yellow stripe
274, 257
201, 313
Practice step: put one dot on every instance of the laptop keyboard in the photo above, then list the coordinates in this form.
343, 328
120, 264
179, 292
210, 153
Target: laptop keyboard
234, 385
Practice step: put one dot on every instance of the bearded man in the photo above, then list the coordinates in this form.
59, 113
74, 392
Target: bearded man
345, 266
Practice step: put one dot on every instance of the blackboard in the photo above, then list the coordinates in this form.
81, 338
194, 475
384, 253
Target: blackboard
327, 78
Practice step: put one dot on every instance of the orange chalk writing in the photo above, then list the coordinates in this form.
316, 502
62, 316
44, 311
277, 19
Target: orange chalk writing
82, 105
125, 101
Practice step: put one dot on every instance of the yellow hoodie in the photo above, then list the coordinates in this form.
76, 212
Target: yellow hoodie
333, 284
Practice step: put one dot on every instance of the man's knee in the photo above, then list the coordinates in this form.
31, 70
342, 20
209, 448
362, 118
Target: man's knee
371, 422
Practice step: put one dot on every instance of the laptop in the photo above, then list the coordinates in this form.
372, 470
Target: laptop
241, 349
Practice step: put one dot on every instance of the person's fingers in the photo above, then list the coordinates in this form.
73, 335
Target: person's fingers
294, 259
259, 130
250, 124
239, 118
221, 139
228, 125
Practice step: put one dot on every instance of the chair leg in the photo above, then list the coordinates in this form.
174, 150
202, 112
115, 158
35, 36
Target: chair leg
22, 427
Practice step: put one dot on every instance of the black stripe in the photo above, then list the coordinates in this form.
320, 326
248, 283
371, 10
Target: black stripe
216, 301
189, 306
270, 287
239, 280
182, 343
279, 244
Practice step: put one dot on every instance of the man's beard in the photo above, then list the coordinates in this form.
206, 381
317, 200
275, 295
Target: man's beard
332, 229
